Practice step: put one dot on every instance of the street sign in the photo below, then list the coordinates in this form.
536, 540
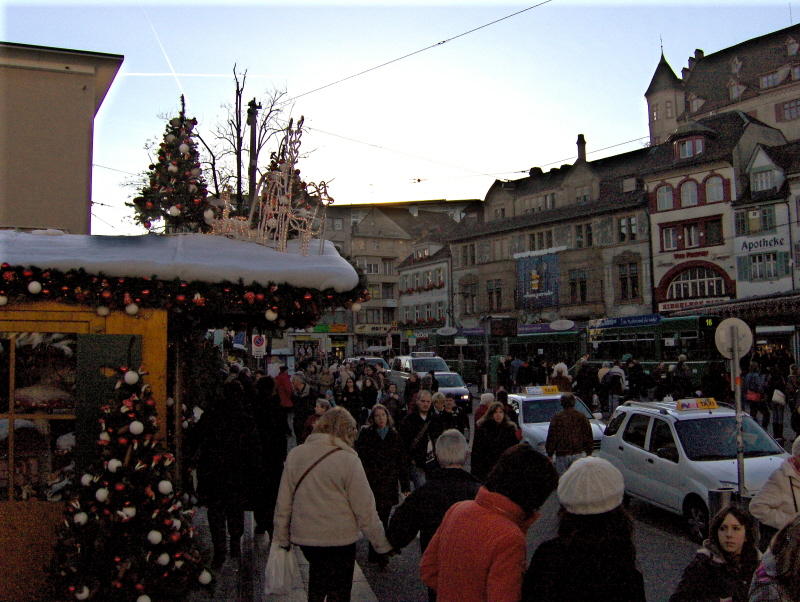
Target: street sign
412, 341
459, 341
724, 335
259, 345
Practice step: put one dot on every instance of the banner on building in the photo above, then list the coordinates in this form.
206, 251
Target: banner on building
537, 281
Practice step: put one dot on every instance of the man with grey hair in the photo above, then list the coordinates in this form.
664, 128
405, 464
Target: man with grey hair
303, 405
423, 510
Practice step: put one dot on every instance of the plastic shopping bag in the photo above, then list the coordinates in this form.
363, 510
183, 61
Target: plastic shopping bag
281, 574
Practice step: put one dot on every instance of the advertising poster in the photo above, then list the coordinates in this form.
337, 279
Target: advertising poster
537, 281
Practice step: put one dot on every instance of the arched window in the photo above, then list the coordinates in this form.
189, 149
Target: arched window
689, 193
664, 197
696, 282
714, 190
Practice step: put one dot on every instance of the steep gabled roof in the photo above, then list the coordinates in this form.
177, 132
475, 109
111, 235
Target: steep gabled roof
709, 77
440, 255
786, 156
664, 78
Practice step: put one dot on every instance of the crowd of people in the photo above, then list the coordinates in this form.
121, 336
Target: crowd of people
369, 461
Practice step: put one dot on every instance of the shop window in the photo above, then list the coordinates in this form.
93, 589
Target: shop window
696, 282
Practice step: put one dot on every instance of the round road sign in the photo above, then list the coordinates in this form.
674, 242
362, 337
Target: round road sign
733, 331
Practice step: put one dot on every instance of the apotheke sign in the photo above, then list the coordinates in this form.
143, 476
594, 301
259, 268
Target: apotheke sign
765, 242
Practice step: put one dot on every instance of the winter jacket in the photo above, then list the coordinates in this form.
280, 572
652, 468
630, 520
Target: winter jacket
764, 587
710, 577
385, 464
422, 512
490, 441
351, 401
563, 382
778, 502
569, 433
478, 552
333, 504
555, 574
283, 385
417, 446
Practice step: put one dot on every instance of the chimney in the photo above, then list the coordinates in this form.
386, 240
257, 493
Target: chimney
581, 148
685, 73
535, 171
698, 54
691, 63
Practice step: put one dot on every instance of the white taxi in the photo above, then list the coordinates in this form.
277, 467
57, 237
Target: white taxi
672, 454
537, 406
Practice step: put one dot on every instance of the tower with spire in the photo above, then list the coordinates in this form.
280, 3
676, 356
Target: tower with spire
665, 101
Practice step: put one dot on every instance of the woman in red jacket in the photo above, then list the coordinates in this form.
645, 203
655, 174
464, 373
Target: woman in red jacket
478, 552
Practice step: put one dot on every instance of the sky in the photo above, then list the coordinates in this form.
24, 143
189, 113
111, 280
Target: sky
503, 94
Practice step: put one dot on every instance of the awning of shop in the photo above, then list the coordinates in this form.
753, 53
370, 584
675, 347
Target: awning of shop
378, 348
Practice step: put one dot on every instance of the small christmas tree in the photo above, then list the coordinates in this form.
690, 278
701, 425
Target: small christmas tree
177, 192
127, 535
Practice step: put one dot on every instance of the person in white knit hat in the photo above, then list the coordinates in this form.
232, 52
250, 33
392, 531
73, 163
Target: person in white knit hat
593, 557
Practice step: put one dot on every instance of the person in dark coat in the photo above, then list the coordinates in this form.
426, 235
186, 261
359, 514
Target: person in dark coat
228, 456
586, 381
423, 510
494, 434
593, 557
723, 567
273, 429
411, 391
383, 456
415, 430
369, 396
303, 402
350, 398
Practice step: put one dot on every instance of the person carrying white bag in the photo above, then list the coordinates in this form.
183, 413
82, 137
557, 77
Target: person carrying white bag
324, 504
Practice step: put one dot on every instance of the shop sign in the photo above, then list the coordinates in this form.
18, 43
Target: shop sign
372, 328
684, 303
322, 328
337, 327
645, 320
762, 243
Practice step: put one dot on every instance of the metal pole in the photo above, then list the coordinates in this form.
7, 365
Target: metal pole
737, 393
487, 326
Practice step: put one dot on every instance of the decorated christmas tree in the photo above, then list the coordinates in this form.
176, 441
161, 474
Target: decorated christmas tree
176, 195
127, 533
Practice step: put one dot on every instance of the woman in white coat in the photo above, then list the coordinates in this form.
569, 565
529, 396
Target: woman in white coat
778, 502
333, 504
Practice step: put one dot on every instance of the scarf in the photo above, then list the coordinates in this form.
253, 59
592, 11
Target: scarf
382, 432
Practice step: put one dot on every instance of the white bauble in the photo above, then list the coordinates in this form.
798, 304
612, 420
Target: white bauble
104, 436
80, 518
178, 564
170, 402
86, 479
356, 307
131, 309
184, 148
208, 215
172, 168
176, 524
114, 464
155, 537
163, 559
131, 377
34, 287
103, 311
175, 121
129, 511
192, 187
174, 211
82, 594
164, 487
271, 315
204, 577
101, 495
136, 428
185, 424
171, 137
3, 299
196, 172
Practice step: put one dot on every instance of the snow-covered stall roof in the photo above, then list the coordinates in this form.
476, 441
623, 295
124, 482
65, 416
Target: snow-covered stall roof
189, 257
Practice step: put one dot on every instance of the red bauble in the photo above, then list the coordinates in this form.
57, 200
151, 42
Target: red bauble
139, 587
122, 441
250, 297
120, 486
175, 537
259, 296
180, 298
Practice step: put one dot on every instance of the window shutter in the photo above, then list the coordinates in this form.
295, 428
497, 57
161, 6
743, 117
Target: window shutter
783, 263
779, 112
726, 189
743, 268
701, 193
653, 201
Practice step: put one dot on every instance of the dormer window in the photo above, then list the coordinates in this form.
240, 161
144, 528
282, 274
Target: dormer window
583, 194
688, 147
762, 180
695, 103
791, 47
770, 80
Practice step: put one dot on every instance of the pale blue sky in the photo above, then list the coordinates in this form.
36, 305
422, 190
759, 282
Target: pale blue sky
497, 101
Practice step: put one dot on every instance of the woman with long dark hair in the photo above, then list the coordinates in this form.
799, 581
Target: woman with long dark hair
723, 567
350, 397
494, 434
593, 557
777, 578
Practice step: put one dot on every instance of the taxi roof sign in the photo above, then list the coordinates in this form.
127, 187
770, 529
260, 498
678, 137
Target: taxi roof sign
696, 403
542, 390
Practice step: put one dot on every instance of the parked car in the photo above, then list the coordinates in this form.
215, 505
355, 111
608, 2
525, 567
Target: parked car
672, 454
372, 361
420, 362
535, 409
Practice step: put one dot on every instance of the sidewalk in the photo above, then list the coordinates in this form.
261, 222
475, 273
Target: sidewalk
242, 580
